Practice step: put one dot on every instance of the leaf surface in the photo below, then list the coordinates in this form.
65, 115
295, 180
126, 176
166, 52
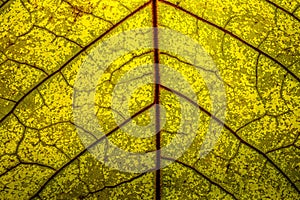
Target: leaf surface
255, 45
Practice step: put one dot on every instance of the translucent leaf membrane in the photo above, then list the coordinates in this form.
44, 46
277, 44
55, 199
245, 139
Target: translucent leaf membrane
44, 154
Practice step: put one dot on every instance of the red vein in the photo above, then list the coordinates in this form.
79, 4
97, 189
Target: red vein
233, 132
232, 35
4, 3
283, 9
89, 147
201, 174
72, 58
121, 183
156, 100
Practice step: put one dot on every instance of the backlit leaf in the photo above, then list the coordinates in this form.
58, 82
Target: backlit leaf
255, 46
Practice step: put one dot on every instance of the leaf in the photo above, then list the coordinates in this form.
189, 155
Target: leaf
255, 47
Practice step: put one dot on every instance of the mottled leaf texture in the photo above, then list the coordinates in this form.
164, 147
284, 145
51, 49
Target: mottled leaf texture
255, 45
